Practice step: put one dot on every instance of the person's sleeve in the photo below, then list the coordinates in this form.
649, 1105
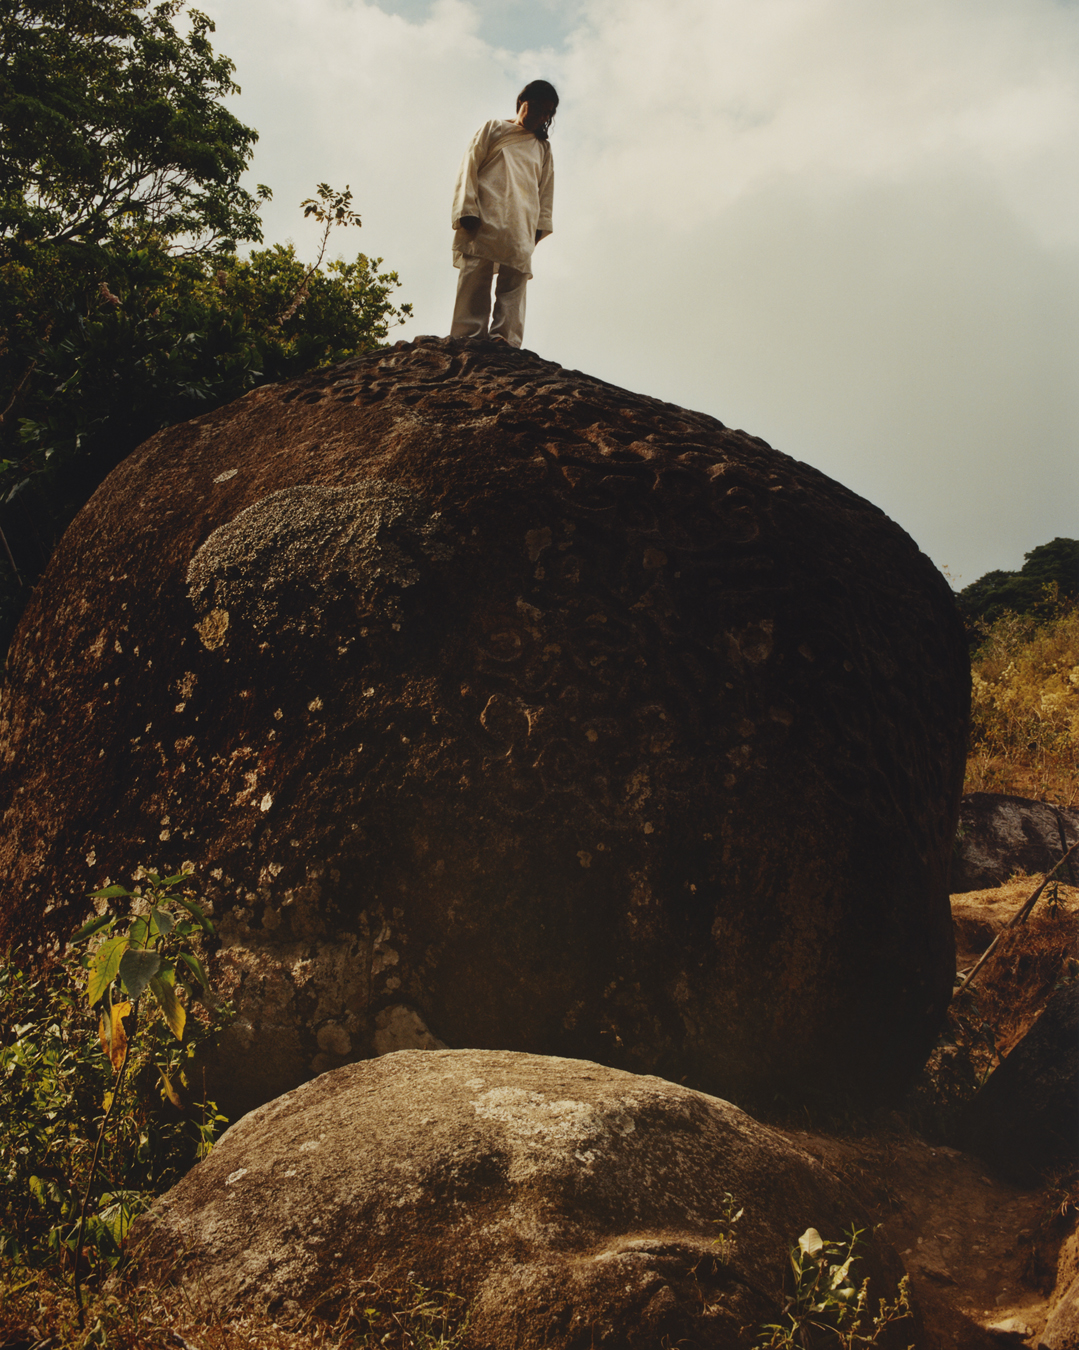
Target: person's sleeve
545, 225
466, 201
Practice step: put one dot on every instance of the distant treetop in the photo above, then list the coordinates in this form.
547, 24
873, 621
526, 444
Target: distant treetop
1056, 562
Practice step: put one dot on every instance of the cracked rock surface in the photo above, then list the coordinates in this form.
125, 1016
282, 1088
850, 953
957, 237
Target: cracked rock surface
500, 707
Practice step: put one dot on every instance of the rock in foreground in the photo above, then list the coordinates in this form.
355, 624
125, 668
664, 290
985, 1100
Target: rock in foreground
570, 1204
500, 707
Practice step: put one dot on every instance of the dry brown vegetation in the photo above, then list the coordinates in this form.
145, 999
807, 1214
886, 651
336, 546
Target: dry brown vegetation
39, 1313
1025, 706
1008, 993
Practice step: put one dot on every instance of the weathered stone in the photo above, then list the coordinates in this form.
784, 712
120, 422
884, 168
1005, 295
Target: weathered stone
1009, 1331
1062, 1329
560, 718
570, 1204
1025, 1120
1062, 1325
1000, 835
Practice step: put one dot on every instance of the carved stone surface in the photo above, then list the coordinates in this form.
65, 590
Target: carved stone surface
570, 1204
500, 707
1000, 835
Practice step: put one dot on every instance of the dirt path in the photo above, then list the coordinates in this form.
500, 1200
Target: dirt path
964, 1236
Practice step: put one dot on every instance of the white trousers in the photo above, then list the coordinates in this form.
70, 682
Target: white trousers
472, 309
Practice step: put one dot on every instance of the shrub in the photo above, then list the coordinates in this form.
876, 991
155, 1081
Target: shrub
1025, 705
827, 1307
55, 1086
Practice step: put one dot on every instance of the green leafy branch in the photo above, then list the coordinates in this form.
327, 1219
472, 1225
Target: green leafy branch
138, 953
827, 1308
329, 208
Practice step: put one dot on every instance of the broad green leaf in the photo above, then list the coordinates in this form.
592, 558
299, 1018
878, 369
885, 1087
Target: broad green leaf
95, 925
192, 908
811, 1243
137, 968
175, 880
165, 993
161, 922
193, 963
839, 1273
138, 933
109, 893
105, 964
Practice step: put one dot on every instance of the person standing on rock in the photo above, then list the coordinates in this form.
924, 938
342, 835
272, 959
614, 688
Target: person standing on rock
501, 210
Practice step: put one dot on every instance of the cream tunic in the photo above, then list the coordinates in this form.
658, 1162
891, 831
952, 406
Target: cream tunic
507, 180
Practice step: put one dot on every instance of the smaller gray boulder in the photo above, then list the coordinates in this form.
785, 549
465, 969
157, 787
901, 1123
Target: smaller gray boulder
999, 835
570, 1204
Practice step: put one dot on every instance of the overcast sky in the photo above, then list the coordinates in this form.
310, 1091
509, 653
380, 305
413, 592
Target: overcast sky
849, 226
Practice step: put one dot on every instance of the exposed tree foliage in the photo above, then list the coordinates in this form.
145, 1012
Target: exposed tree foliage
1055, 563
111, 118
124, 305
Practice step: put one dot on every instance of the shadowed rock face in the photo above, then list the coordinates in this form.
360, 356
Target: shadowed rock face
1025, 1120
571, 1205
1001, 835
500, 707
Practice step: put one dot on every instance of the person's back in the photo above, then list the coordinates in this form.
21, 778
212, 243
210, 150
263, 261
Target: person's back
501, 210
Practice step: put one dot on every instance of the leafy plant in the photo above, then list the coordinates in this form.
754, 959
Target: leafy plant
143, 953
58, 1089
732, 1211
827, 1307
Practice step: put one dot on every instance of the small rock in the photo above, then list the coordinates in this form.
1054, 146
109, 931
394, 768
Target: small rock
1011, 1329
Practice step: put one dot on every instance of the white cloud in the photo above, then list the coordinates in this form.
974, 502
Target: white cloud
850, 227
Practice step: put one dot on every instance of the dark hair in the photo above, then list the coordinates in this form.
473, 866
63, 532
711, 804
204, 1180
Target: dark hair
542, 92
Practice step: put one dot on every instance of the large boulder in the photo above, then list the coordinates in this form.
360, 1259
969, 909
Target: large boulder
569, 1204
1000, 835
500, 707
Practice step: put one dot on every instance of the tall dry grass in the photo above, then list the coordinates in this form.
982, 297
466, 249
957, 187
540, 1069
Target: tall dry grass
1025, 706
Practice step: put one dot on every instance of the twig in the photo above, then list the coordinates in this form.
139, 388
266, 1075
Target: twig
1014, 921
10, 557
19, 388
90, 1181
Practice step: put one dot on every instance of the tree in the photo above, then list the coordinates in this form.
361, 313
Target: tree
109, 119
124, 305
1053, 564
